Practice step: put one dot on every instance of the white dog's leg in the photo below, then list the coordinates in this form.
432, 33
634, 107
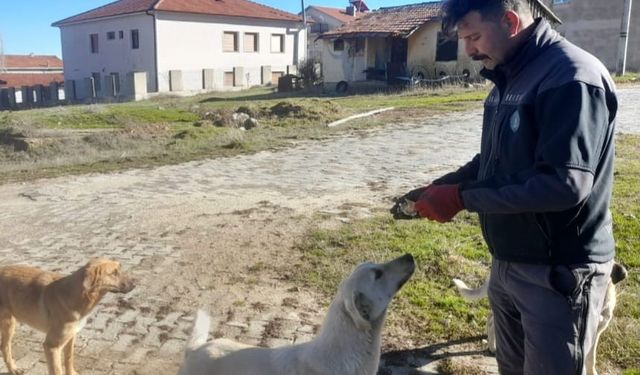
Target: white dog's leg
200, 331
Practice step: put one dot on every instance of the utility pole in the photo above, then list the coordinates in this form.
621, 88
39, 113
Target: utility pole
1, 55
624, 38
304, 15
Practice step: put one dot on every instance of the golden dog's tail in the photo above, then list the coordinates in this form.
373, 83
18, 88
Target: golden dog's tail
472, 294
200, 331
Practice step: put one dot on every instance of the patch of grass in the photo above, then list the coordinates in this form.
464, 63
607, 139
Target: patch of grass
627, 78
99, 116
428, 309
621, 341
448, 99
167, 130
449, 367
428, 306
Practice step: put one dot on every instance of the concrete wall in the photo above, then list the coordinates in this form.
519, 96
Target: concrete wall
191, 43
594, 25
421, 54
25, 97
314, 46
343, 65
114, 56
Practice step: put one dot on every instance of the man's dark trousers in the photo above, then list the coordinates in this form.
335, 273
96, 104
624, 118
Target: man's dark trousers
546, 316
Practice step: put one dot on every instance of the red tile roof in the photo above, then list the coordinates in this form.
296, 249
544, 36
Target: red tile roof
26, 79
232, 8
337, 13
399, 21
31, 61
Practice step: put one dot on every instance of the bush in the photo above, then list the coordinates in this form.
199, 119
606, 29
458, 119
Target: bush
310, 71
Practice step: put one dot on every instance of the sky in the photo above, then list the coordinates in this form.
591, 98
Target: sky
25, 25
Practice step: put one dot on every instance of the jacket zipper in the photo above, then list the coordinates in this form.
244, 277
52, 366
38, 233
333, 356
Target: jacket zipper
582, 326
485, 173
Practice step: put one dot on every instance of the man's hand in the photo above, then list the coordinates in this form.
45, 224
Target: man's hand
440, 203
404, 209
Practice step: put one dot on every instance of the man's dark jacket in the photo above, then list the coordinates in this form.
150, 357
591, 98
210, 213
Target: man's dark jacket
542, 181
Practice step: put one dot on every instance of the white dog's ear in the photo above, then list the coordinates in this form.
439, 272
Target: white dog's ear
359, 308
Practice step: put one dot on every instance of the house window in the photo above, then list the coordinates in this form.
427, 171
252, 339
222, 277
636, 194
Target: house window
319, 27
111, 35
94, 43
228, 79
135, 39
338, 45
446, 48
120, 34
230, 41
277, 43
251, 42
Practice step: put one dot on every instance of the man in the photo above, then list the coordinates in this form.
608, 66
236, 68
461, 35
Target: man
541, 184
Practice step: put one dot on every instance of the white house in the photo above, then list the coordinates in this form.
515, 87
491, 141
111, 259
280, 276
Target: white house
323, 19
182, 45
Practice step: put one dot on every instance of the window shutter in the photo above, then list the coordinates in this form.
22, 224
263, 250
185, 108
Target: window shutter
250, 42
228, 79
277, 43
229, 42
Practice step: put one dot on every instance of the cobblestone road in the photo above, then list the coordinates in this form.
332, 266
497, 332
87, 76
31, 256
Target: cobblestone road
136, 217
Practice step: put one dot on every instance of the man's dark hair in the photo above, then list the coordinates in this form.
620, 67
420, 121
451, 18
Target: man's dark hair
454, 10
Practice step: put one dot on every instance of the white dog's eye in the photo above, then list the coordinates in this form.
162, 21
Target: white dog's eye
378, 273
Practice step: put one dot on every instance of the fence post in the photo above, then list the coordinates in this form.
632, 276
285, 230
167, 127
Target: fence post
70, 90
175, 80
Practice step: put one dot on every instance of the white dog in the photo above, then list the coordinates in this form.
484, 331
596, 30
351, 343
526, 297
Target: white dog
618, 273
348, 342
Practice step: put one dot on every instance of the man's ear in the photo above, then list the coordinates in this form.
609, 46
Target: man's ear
358, 307
511, 21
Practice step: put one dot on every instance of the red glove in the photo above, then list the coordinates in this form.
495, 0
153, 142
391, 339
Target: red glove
440, 203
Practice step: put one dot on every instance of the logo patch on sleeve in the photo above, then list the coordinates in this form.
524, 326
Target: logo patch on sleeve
514, 122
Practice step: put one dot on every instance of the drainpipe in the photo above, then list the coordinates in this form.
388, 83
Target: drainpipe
624, 38
155, 48
304, 15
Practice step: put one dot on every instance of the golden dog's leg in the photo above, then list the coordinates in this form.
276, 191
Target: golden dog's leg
52, 350
68, 357
7, 329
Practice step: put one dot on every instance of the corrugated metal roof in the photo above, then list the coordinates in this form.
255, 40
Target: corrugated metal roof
337, 13
403, 20
31, 61
25, 79
398, 21
232, 8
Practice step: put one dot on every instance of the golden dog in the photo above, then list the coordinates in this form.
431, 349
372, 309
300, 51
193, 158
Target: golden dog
56, 305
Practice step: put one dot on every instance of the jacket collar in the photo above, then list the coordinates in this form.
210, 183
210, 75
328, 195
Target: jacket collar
540, 39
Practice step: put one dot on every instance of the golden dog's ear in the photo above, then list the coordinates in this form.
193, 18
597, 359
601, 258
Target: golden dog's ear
358, 307
93, 274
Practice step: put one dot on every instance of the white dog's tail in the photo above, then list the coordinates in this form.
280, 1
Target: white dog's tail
472, 294
200, 331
